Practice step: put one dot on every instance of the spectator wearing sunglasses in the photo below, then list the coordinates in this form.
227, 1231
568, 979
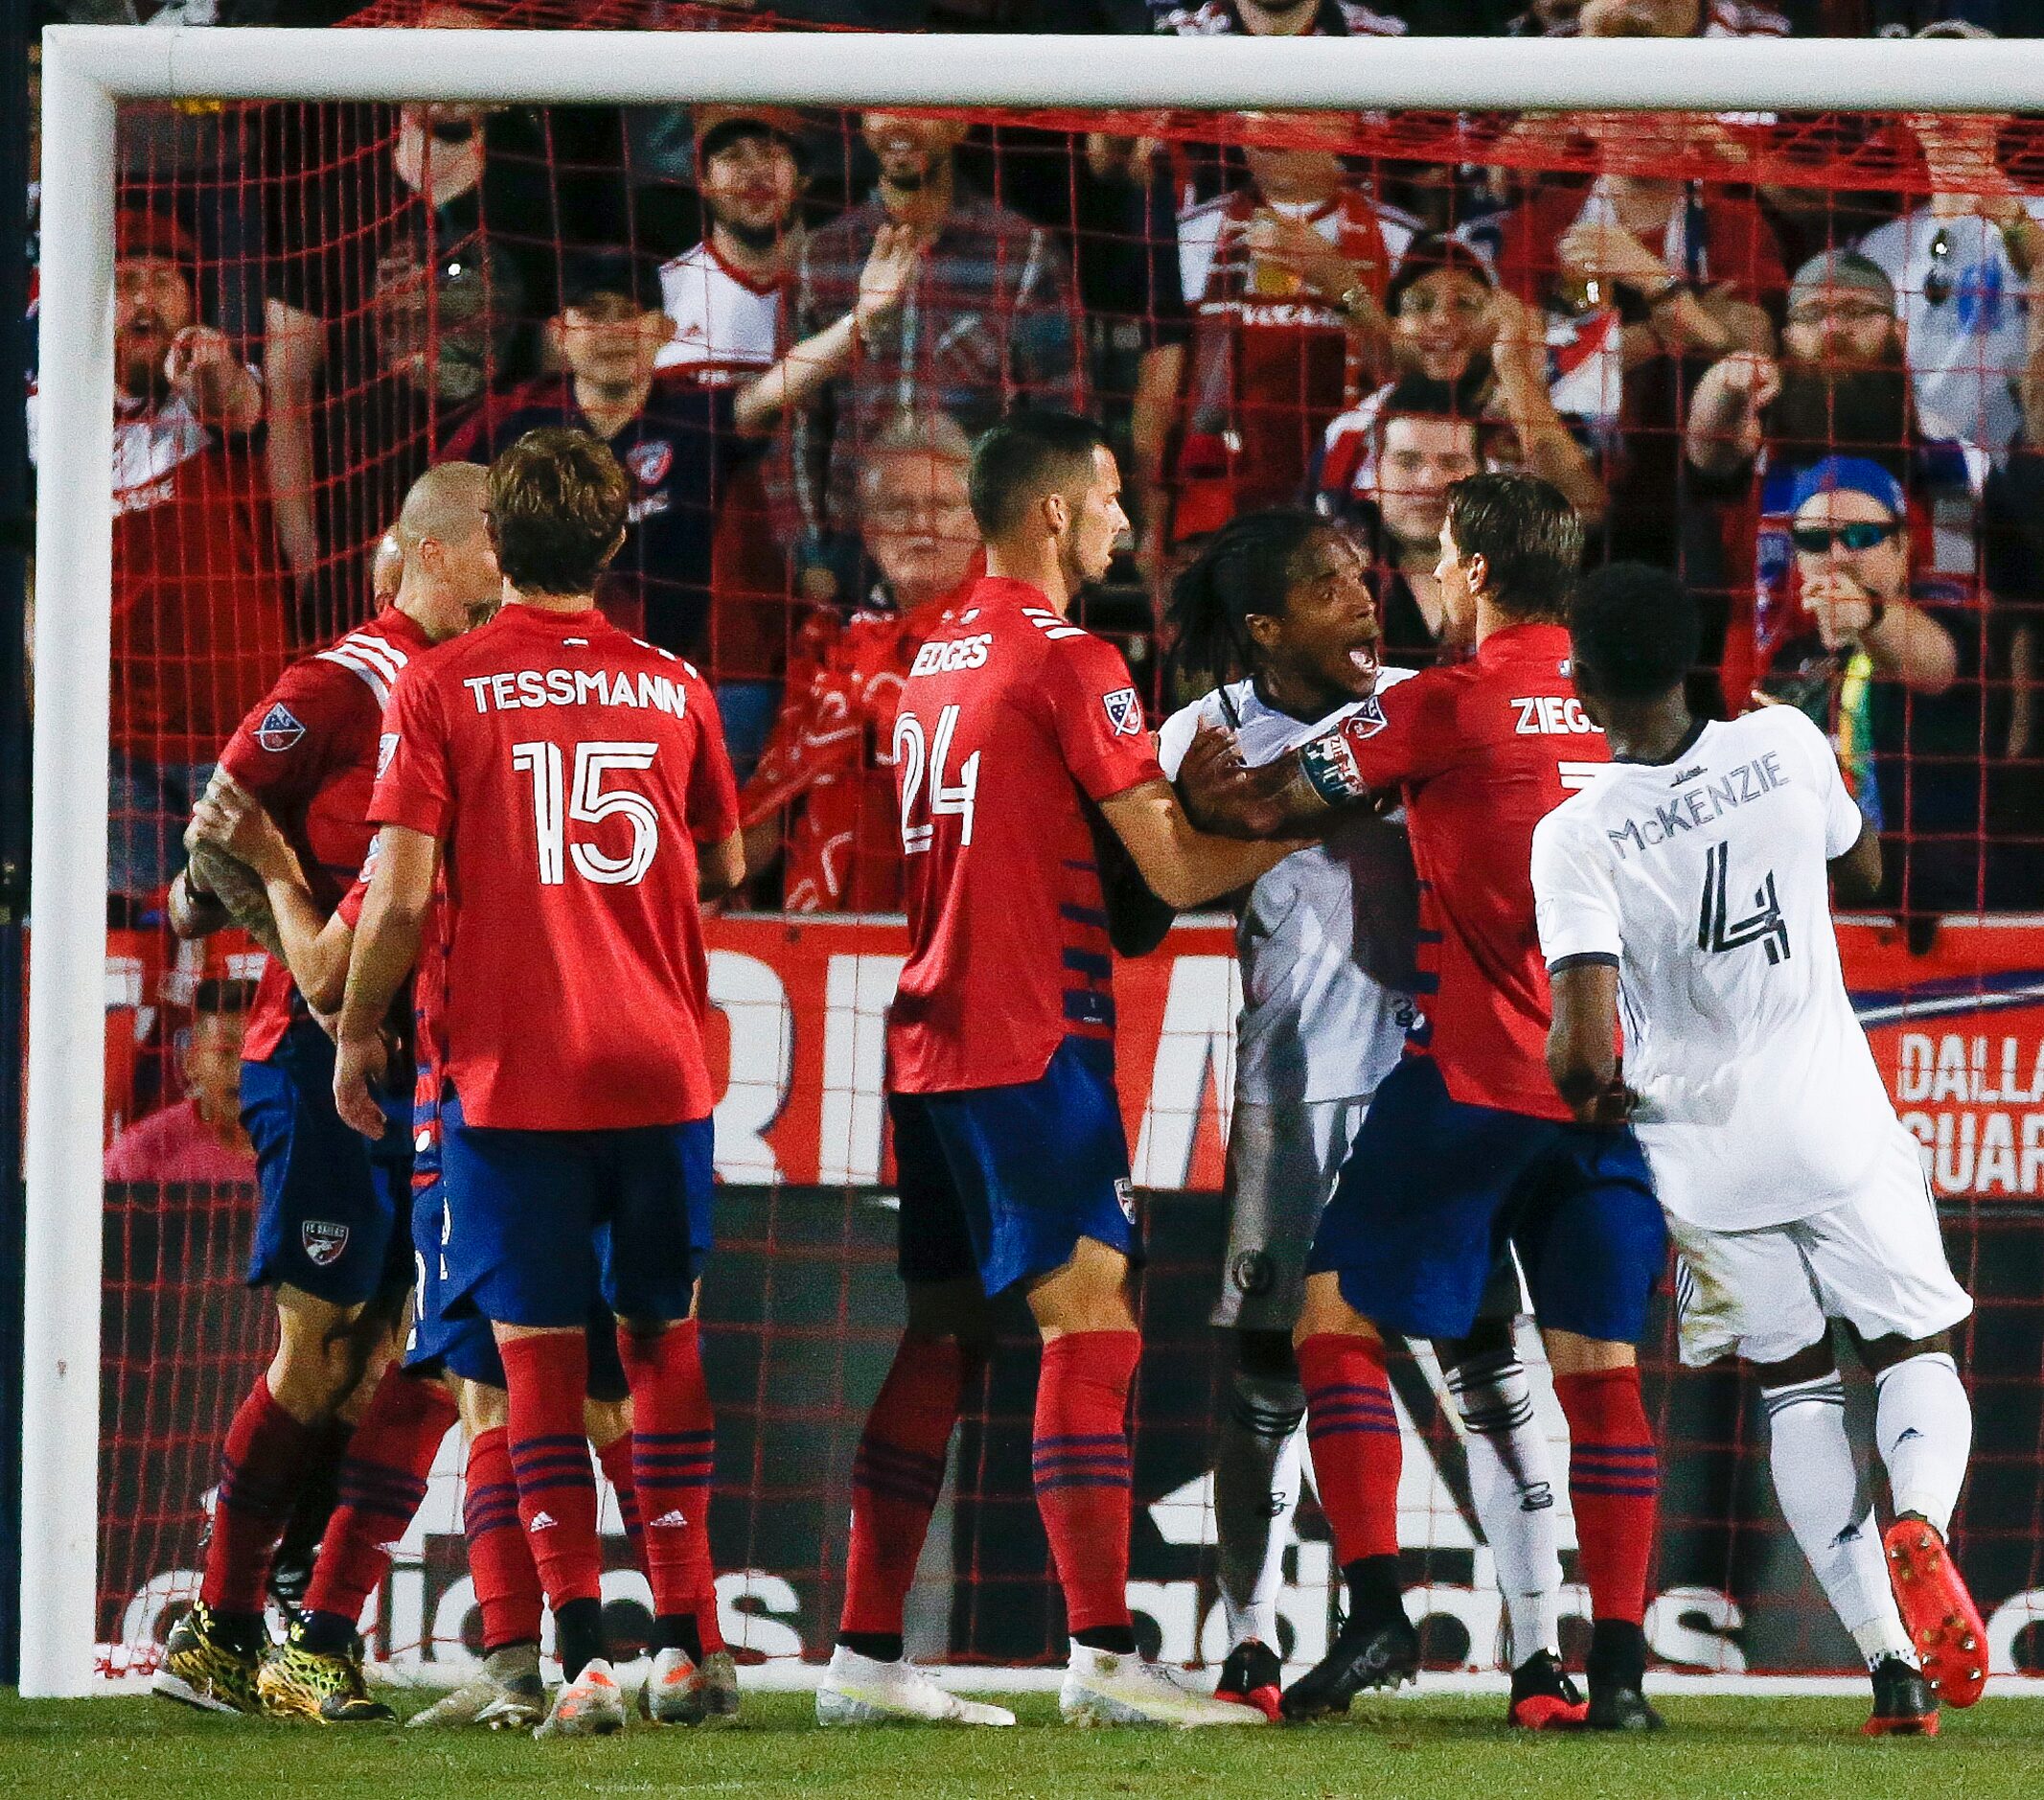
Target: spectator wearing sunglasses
1892, 661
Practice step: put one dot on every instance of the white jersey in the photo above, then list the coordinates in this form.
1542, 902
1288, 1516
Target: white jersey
1314, 1025
726, 326
1705, 881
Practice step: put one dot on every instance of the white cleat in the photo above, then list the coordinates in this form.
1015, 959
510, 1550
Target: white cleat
1104, 1689
593, 1705
679, 1692
858, 1691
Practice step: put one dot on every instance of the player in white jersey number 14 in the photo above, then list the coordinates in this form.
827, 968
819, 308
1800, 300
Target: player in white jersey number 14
1326, 944
1685, 893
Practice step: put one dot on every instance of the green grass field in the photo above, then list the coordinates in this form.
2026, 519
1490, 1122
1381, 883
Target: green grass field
1410, 1750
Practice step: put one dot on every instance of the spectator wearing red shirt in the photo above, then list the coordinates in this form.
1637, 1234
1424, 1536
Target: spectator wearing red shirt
198, 1139
829, 765
200, 607
1284, 277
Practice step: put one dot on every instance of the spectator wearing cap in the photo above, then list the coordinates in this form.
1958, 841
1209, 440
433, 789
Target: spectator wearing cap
1893, 659
723, 297
680, 441
200, 606
1452, 324
1650, 18
1959, 268
197, 1141
988, 322
1841, 387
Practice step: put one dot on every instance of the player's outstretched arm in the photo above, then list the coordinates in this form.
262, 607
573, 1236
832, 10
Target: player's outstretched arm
314, 948
1582, 1041
1182, 864
386, 944
1856, 875
1289, 796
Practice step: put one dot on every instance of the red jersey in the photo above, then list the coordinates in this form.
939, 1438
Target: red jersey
832, 749
308, 751
1012, 725
569, 772
1483, 750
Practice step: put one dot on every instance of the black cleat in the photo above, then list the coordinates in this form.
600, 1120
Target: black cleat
1903, 1703
1252, 1676
1617, 1673
1543, 1696
1621, 1709
1384, 1655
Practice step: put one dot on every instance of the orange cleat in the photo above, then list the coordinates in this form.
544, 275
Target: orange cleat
1903, 1703
1944, 1623
1251, 1676
1544, 1698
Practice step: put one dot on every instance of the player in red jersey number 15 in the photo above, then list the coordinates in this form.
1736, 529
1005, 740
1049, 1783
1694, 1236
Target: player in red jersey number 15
1023, 765
575, 782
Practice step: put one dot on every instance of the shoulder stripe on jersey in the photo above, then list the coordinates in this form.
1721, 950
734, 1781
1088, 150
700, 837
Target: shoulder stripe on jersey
377, 678
1049, 624
379, 650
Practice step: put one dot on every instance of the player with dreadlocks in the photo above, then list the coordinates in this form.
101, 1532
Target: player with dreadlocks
1277, 611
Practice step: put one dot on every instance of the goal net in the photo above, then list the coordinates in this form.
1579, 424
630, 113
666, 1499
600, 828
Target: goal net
1346, 303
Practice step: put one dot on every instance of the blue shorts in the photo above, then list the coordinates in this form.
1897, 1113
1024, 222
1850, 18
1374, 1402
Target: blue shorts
540, 1220
332, 1202
467, 1346
1434, 1189
1004, 1182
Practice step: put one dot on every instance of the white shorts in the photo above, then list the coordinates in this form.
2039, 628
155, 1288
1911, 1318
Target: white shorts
1877, 1261
1283, 1163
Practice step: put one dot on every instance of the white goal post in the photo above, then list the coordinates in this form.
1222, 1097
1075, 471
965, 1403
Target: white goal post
87, 71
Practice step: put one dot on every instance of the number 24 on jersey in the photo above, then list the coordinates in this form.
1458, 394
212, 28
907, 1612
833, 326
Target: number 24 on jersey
918, 756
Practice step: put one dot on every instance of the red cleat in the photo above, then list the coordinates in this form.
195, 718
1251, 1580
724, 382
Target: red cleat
1252, 1676
1944, 1623
1544, 1698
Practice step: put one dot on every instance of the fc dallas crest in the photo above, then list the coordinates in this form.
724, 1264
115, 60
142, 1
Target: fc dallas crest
322, 1239
650, 461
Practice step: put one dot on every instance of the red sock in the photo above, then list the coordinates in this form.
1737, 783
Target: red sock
1615, 1482
500, 1564
615, 1457
261, 1466
1082, 1471
382, 1482
546, 1375
674, 1463
896, 1478
1353, 1429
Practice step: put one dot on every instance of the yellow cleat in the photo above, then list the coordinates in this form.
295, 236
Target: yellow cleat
202, 1668
323, 1687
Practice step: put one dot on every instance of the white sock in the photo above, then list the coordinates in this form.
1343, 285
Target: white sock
1817, 1485
1255, 1491
1923, 1424
1511, 1483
